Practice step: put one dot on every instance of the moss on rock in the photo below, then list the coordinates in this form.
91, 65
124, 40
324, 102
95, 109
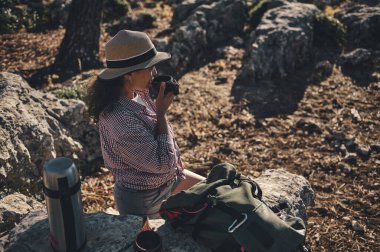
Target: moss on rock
258, 10
255, 14
328, 31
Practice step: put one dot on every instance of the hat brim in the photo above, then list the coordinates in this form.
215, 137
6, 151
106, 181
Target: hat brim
110, 73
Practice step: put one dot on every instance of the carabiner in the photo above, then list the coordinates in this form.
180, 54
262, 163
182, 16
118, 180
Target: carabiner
232, 228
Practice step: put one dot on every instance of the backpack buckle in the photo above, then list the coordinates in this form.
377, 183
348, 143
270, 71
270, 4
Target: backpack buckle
235, 225
212, 200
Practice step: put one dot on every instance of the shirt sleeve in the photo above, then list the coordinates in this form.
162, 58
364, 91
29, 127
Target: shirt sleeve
143, 149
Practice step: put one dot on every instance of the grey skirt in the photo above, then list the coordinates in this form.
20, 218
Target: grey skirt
142, 203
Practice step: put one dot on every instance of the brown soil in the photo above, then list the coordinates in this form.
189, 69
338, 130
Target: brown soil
211, 128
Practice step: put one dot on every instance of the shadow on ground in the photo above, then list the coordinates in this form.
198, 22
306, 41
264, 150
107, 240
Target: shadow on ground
270, 98
274, 97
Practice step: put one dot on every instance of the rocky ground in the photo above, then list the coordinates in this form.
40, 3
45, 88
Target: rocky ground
277, 185
327, 131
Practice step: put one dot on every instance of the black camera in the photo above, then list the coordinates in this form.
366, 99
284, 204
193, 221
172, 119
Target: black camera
171, 84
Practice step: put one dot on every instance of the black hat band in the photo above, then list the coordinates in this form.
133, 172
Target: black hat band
132, 61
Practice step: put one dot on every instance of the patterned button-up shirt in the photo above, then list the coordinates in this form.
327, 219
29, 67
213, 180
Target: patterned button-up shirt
132, 149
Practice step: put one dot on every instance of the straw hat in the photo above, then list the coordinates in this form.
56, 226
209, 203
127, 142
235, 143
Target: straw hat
128, 51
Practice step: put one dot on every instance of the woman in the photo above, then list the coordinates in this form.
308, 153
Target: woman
137, 141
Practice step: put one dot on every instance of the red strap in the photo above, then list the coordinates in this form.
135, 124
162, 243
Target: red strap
174, 213
169, 214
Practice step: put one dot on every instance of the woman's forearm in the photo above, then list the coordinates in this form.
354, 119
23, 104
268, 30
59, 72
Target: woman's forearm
162, 124
166, 150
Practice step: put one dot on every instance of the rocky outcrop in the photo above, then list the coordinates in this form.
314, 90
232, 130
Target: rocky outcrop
203, 25
280, 44
363, 25
37, 126
31, 233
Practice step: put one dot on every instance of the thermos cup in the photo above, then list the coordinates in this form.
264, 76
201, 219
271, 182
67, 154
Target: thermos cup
61, 186
147, 241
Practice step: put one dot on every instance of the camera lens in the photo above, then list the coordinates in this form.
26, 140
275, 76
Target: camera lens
161, 78
171, 86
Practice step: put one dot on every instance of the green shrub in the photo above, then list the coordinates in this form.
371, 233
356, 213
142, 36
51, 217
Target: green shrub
14, 17
8, 22
76, 91
328, 31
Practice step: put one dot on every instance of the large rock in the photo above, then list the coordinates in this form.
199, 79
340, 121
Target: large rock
280, 44
184, 9
37, 126
280, 186
258, 9
31, 233
363, 25
360, 63
205, 26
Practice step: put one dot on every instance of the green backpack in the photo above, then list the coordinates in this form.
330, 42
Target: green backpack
225, 213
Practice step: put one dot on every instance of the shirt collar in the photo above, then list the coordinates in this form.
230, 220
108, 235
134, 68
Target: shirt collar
131, 104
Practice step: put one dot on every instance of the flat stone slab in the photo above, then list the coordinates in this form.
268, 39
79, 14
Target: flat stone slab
105, 232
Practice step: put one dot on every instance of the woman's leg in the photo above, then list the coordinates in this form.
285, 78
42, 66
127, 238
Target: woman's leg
191, 179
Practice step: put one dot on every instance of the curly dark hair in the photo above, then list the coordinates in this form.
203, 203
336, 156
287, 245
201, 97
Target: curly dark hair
102, 95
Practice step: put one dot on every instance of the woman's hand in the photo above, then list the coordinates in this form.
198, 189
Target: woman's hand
163, 101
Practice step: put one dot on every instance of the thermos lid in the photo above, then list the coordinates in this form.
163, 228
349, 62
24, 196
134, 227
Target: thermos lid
61, 167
